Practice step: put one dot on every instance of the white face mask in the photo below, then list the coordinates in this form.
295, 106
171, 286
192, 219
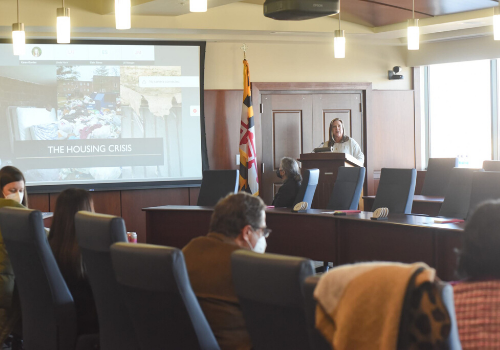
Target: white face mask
260, 246
16, 196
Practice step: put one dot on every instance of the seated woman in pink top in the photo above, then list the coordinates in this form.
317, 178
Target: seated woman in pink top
477, 297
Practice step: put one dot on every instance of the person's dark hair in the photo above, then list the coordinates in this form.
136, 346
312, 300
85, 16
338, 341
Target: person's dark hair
62, 237
331, 140
479, 256
234, 212
291, 168
10, 174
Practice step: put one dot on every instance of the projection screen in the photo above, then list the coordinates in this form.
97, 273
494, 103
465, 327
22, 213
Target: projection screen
103, 114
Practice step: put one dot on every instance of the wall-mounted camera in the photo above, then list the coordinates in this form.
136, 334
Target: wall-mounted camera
395, 73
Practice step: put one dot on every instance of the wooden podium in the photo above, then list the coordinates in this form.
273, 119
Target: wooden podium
328, 164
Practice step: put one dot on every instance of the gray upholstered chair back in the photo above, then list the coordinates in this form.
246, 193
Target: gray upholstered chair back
395, 190
48, 312
316, 340
159, 297
485, 186
217, 184
95, 234
269, 288
438, 175
446, 291
347, 188
457, 195
491, 165
307, 187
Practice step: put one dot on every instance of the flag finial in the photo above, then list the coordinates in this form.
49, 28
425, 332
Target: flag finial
244, 47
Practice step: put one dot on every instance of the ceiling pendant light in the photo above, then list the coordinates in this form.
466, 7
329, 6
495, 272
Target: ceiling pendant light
339, 41
63, 25
198, 5
122, 14
18, 36
496, 22
413, 37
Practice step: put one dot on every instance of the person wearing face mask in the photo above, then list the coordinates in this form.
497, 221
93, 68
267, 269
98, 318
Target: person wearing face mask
238, 222
12, 194
342, 143
289, 173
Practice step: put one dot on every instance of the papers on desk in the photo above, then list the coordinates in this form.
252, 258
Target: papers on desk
340, 212
447, 221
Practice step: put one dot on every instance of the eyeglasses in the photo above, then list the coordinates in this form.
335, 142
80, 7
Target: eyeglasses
265, 231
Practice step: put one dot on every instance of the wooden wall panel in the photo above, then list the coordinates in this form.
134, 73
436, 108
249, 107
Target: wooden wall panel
133, 201
39, 201
222, 125
390, 133
194, 192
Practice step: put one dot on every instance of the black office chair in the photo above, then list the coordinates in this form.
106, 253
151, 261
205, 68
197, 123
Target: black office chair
438, 175
457, 194
159, 297
269, 288
308, 186
48, 311
485, 186
95, 234
316, 340
395, 190
217, 184
347, 188
491, 165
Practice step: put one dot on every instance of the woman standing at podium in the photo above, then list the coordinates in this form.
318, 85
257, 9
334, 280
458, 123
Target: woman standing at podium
342, 143
289, 172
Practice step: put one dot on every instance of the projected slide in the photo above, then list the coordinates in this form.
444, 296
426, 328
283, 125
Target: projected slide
101, 113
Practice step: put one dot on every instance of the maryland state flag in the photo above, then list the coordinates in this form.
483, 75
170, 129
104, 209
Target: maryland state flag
249, 181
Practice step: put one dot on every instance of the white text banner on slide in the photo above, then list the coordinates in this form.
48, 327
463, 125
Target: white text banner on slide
165, 81
40, 52
89, 153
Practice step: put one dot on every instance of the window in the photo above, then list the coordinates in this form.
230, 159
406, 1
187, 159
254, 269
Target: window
460, 113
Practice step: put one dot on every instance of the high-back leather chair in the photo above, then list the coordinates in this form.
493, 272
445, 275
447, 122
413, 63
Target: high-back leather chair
159, 297
95, 234
316, 340
307, 187
491, 165
217, 184
438, 175
347, 188
269, 288
395, 190
485, 186
48, 311
457, 195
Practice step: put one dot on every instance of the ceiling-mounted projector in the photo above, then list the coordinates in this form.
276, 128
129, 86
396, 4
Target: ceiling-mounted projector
297, 10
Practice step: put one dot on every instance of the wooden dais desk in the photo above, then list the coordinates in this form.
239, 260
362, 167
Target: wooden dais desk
429, 205
325, 237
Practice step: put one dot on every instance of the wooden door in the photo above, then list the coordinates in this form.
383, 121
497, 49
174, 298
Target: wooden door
297, 123
286, 132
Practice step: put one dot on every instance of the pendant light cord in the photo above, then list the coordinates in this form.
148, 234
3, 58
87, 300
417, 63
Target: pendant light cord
18, 11
339, 14
412, 11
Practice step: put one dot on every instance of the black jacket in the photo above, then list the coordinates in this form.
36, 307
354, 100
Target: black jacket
285, 197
